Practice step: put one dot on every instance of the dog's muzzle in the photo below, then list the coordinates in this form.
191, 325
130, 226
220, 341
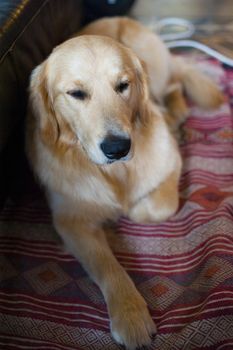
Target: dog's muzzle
115, 147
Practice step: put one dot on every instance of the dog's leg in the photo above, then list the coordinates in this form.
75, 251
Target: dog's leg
131, 323
177, 107
176, 110
159, 204
197, 86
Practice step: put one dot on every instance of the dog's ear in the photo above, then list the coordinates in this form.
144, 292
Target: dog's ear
54, 129
41, 103
142, 90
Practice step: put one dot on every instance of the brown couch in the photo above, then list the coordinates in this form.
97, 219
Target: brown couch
29, 31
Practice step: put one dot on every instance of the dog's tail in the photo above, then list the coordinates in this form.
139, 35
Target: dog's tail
198, 87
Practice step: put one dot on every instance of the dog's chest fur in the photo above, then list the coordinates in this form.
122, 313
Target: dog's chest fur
114, 188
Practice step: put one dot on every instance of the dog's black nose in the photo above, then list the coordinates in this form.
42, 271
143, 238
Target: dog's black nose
115, 147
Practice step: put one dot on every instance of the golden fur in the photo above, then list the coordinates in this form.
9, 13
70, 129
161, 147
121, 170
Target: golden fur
64, 134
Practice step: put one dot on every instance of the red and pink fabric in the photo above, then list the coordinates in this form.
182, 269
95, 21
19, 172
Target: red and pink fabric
183, 267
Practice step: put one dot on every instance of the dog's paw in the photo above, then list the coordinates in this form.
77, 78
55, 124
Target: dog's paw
146, 211
158, 206
132, 326
142, 213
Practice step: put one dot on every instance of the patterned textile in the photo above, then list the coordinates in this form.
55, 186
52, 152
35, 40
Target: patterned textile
183, 267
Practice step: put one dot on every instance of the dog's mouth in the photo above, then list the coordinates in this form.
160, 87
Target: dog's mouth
103, 160
123, 159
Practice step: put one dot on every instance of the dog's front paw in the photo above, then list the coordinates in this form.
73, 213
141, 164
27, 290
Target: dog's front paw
132, 325
154, 208
146, 212
143, 212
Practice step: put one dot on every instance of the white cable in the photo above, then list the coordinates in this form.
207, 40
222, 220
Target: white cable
201, 47
173, 40
187, 32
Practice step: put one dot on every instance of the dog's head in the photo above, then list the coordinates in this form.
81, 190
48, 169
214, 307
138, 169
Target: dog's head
90, 91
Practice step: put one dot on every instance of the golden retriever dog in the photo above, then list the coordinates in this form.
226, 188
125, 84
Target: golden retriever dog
101, 147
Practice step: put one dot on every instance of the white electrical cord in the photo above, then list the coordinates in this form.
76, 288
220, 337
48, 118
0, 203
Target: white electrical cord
187, 31
196, 45
175, 40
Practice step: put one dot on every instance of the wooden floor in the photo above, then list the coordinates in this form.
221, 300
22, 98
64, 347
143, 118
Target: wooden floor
211, 10
213, 19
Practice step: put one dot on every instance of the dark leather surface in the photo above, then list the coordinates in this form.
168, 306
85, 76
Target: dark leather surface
29, 31
15, 15
23, 45
101, 8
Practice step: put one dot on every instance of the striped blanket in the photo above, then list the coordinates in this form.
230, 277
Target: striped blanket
183, 267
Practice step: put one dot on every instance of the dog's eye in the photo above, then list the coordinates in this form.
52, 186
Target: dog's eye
78, 94
122, 87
